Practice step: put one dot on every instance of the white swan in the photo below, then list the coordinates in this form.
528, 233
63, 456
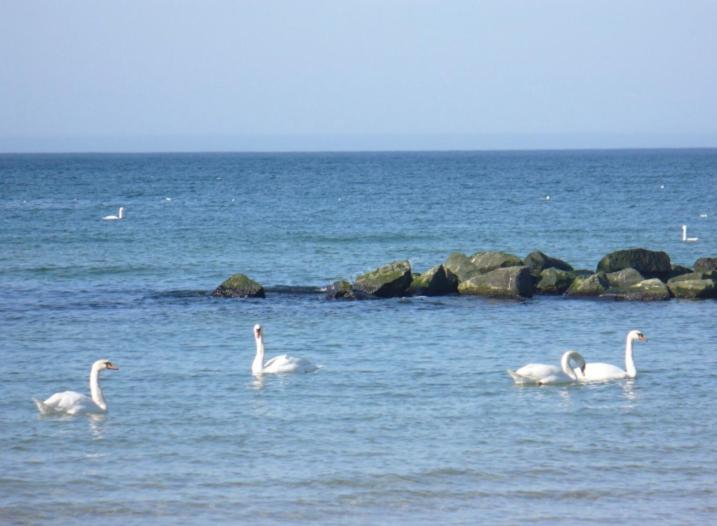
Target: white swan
120, 215
542, 374
72, 403
599, 372
279, 364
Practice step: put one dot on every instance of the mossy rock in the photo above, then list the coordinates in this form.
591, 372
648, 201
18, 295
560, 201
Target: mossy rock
488, 261
505, 282
646, 290
592, 285
340, 290
694, 276
436, 281
624, 278
461, 266
389, 281
678, 270
693, 288
706, 265
554, 281
649, 263
537, 262
239, 286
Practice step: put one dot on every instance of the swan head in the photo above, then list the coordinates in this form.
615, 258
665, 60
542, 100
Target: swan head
576, 358
104, 364
637, 335
257, 331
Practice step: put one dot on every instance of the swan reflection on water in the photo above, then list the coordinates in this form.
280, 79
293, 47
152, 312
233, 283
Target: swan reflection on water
97, 425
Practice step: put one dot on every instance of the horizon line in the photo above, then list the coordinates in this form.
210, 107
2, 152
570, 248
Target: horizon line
345, 151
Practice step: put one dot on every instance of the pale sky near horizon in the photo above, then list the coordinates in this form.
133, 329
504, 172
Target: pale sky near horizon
177, 75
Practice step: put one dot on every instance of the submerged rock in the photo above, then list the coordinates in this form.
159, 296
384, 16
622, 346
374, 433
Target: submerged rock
505, 282
436, 281
554, 281
592, 285
649, 263
239, 286
389, 281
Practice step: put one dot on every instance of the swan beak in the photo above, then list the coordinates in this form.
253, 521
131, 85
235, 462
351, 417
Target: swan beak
113, 367
643, 338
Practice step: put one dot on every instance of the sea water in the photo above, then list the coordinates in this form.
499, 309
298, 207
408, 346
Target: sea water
411, 418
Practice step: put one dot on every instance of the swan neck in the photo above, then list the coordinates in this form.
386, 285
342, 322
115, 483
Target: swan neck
629, 361
96, 390
257, 366
565, 365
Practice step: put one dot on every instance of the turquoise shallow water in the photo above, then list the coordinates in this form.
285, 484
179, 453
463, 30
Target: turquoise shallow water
412, 418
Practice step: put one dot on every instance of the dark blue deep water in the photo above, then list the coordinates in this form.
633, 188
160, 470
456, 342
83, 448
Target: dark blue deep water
412, 418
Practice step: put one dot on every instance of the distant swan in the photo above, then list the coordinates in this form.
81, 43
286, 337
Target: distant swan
120, 215
72, 403
278, 364
541, 374
597, 372
688, 239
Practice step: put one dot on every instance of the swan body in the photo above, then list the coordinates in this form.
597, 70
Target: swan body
74, 403
542, 374
688, 239
119, 216
601, 372
279, 364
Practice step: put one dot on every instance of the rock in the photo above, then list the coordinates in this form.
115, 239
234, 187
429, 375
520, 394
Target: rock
389, 281
646, 290
678, 270
505, 282
554, 281
692, 276
592, 285
460, 265
706, 265
340, 290
649, 263
239, 286
487, 261
436, 281
692, 288
537, 262
623, 278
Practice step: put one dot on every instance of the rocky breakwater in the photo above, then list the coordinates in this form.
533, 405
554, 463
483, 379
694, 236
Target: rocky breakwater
635, 274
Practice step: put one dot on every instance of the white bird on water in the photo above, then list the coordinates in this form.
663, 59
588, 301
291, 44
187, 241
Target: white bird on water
119, 216
279, 364
600, 372
688, 239
73, 403
542, 374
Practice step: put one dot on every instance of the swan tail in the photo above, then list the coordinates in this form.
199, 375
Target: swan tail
520, 379
42, 407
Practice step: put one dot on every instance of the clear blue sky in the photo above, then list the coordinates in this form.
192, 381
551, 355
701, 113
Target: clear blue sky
148, 75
